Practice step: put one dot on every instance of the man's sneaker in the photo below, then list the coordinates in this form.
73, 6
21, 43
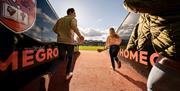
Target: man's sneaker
69, 75
112, 68
119, 64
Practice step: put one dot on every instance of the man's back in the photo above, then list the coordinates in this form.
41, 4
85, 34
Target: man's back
64, 30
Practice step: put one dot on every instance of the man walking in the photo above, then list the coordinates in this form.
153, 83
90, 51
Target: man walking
65, 28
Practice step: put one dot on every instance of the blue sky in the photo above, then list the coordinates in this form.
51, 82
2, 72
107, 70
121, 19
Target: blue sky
94, 16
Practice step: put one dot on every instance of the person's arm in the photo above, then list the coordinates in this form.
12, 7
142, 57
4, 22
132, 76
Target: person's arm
105, 47
75, 28
107, 43
55, 27
132, 43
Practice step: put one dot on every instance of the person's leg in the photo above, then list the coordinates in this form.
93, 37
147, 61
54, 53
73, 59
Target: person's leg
61, 57
46, 78
112, 57
154, 75
161, 78
62, 51
116, 59
70, 53
118, 62
115, 53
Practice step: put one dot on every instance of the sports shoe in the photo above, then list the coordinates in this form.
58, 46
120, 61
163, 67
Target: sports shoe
112, 68
69, 75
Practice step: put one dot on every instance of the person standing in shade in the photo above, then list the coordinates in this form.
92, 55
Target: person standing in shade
113, 41
159, 22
